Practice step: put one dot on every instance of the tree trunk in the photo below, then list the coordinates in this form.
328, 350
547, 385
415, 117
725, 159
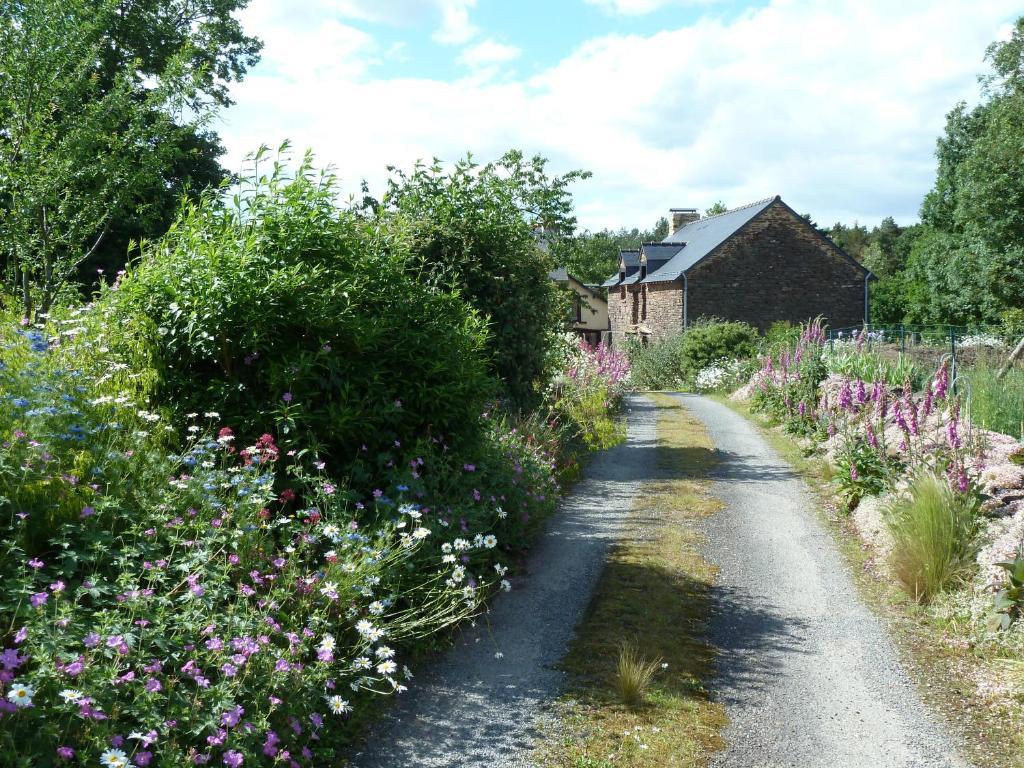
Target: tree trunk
1014, 356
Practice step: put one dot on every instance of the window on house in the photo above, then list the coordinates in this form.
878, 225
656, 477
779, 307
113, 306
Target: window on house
577, 309
636, 306
643, 299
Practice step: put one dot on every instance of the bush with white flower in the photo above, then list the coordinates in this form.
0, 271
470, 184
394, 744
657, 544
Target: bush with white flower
721, 375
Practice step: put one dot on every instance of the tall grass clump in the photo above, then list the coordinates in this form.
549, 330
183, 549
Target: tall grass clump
996, 404
634, 674
935, 537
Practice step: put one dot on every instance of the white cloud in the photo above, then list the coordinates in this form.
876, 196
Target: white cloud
488, 52
456, 28
452, 16
640, 7
834, 104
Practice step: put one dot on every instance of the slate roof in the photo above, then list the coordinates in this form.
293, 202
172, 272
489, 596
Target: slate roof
701, 237
631, 257
681, 250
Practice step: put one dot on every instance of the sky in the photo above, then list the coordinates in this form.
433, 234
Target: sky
833, 104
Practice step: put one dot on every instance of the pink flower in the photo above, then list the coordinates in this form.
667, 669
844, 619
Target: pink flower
39, 599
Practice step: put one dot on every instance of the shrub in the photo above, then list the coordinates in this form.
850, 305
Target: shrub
782, 334
657, 365
706, 341
475, 228
722, 375
935, 536
278, 308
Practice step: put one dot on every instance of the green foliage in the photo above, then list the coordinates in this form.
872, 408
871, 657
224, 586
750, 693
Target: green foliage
94, 148
780, 335
278, 308
593, 257
868, 365
675, 362
788, 382
935, 536
1009, 601
475, 229
151, 579
994, 403
657, 365
861, 471
969, 265
708, 341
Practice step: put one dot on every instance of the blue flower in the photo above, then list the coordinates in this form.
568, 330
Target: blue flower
21, 402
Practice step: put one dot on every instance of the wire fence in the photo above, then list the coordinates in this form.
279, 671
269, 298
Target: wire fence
961, 345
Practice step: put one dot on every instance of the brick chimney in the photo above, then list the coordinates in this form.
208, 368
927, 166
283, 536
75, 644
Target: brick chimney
680, 217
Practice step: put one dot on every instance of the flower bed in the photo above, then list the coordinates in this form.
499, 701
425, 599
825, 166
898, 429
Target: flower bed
878, 437
172, 598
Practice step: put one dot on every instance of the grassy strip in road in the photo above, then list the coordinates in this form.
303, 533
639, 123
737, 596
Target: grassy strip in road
654, 596
939, 655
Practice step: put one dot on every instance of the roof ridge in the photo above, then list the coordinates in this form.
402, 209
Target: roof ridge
762, 201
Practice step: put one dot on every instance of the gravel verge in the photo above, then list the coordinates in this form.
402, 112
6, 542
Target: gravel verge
469, 708
808, 675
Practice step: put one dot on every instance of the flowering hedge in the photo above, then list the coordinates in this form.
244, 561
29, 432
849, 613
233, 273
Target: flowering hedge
177, 608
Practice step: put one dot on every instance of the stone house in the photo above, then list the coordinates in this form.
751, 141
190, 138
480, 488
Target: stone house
759, 263
589, 317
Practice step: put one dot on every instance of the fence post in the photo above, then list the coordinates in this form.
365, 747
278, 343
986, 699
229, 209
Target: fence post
903, 340
952, 354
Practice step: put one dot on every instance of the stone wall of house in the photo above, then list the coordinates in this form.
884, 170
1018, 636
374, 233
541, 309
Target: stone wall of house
664, 309
620, 300
778, 269
655, 306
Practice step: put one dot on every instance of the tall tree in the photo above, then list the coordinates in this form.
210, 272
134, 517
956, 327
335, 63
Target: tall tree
968, 265
103, 106
476, 229
594, 256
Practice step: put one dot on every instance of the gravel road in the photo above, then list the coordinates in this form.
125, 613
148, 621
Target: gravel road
470, 709
807, 674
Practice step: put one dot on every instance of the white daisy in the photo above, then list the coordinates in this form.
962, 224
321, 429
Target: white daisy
490, 541
70, 695
21, 695
387, 667
338, 705
384, 652
364, 627
114, 758
460, 545
421, 533
376, 608
447, 558
506, 586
